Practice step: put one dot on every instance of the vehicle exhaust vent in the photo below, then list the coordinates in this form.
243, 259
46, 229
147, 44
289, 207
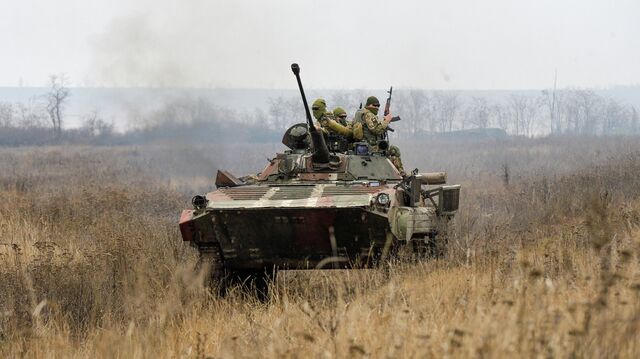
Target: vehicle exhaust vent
245, 192
293, 192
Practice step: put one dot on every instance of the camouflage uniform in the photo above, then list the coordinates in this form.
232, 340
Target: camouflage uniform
368, 127
373, 128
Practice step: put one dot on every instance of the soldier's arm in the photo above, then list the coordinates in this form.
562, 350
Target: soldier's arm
375, 126
320, 125
334, 126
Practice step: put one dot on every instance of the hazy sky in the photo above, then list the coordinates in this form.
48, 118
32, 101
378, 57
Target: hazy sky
453, 44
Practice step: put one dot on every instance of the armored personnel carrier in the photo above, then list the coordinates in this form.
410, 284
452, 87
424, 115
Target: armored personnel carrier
313, 208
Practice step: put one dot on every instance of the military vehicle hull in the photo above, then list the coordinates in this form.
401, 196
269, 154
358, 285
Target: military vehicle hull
295, 238
291, 227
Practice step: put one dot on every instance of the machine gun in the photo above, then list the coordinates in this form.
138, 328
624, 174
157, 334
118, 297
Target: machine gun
387, 107
320, 154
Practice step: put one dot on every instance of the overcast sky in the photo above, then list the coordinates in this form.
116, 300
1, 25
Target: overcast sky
453, 44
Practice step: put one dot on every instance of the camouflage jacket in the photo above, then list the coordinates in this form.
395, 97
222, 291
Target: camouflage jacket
367, 126
373, 123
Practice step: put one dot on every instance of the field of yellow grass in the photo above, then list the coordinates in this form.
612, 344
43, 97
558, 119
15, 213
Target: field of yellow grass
545, 261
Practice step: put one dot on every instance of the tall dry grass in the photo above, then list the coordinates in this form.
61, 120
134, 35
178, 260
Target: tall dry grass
545, 264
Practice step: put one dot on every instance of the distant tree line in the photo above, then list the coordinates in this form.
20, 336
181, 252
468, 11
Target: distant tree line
425, 112
550, 112
41, 120
184, 120
565, 111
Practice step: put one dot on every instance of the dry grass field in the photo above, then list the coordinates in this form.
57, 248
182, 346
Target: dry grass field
545, 262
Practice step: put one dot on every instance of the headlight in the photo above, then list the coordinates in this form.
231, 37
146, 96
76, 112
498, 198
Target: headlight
382, 199
199, 202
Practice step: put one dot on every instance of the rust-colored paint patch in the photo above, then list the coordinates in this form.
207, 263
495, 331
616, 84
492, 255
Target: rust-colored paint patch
186, 225
271, 169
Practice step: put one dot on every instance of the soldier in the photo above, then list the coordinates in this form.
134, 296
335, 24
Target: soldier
340, 115
327, 121
368, 127
394, 155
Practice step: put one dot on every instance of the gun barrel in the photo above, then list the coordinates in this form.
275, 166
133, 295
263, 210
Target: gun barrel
296, 71
432, 178
387, 106
320, 149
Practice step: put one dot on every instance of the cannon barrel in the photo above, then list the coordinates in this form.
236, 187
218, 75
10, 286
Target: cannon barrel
432, 178
320, 149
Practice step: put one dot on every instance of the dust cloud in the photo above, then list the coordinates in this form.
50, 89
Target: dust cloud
497, 44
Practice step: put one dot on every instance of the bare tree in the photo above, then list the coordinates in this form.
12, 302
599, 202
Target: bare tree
523, 110
517, 105
294, 110
477, 112
56, 100
413, 106
278, 111
562, 116
418, 110
550, 99
285, 111
585, 106
614, 118
31, 114
500, 116
634, 120
445, 107
95, 126
6, 114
